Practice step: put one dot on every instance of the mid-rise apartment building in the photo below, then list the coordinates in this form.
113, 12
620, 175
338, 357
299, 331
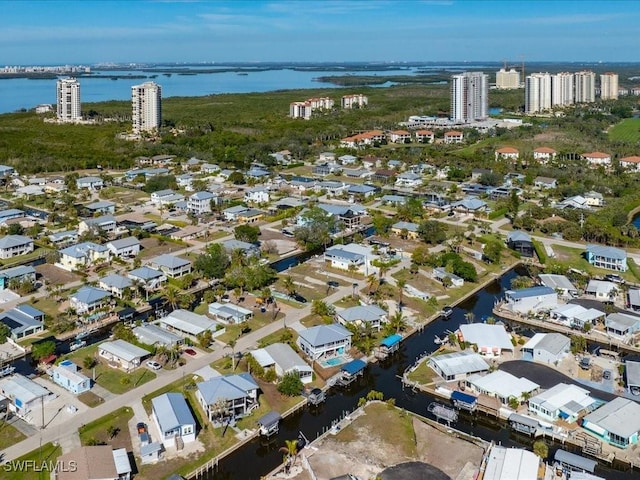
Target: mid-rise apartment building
585, 91
507, 79
356, 100
146, 104
469, 97
306, 108
609, 86
68, 100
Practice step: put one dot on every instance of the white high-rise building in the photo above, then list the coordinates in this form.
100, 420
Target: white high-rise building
562, 89
609, 86
469, 97
146, 103
537, 92
585, 87
68, 99
507, 80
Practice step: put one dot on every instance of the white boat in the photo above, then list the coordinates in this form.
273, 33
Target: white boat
441, 341
77, 344
8, 370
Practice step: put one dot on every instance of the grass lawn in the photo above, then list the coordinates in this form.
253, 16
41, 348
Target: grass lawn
114, 380
628, 130
98, 430
424, 374
573, 258
13, 261
90, 399
48, 305
9, 435
281, 335
47, 453
256, 322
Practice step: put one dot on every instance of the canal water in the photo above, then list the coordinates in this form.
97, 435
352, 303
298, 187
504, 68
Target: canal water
258, 458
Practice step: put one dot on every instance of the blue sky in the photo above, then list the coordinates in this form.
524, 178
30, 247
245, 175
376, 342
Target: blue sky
86, 31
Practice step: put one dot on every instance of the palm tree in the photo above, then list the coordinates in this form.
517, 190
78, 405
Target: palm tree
171, 295
232, 345
321, 308
372, 283
397, 322
289, 285
401, 284
352, 268
290, 451
470, 317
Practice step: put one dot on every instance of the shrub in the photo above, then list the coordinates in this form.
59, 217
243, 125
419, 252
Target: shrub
540, 251
290, 385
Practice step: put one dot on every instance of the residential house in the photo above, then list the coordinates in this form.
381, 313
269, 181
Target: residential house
559, 283
545, 183
257, 173
577, 202
185, 181
190, 232
233, 396
395, 164
124, 247
171, 265
501, 385
122, 354
507, 153
633, 299
348, 215
186, 323
65, 237
440, 274
597, 158
347, 159
490, 340
344, 256
562, 401
17, 275
115, 284
331, 188
616, 422
105, 223
544, 154
25, 396
622, 325
10, 214
14, 246
576, 316
90, 183
149, 278
609, 258
156, 336
257, 195
372, 137
532, 299
602, 290
229, 313
232, 214
425, 136
248, 249
88, 299
631, 163
399, 136
549, 348
457, 366
406, 230
453, 137
383, 176
83, 255
103, 207
594, 199
98, 462
470, 205
361, 190
357, 172
520, 242
199, 203
209, 168
67, 375
282, 157
158, 196
394, 200
171, 414
363, 314
23, 320
284, 360
324, 341
409, 180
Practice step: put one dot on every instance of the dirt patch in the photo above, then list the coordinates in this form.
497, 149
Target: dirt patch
152, 247
56, 276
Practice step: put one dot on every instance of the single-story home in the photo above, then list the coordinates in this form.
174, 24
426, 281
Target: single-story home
622, 324
171, 414
122, 354
574, 315
284, 360
439, 273
66, 375
531, 299
229, 313
602, 290
156, 336
501, 385
105, 223
234, 396
91, 183
616, 422
405, 229
491, 340
560, 283
98, 462
565, 401
520, 242
25, 396
124, 247
324, 341
458, 365
19, 274
187, 323
547, 348
23, 320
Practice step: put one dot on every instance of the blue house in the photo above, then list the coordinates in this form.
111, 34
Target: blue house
606, 257
67, 376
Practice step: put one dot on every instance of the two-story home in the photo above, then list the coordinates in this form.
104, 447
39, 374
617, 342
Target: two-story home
124, 247
607, 257
171, 414
425, 136
199, 203
453, 136
82, 255
324, 341
228, 396
399, 136
15, 245
19, 274
507, 153
185, 181
532, 299
116, 284
361, 315
544, 154
103, 207
148, 278
408, 180
105, 223
257, 195
520, 242
89, 299
89, 183
171, 265
23, 320
631, 163
597, 158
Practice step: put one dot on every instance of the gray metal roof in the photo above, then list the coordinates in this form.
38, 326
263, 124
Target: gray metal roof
89, 295
124, 350
634, 297
621, 321
21, 318
228, 387
81, 249
116, 281
553, 343
529, 292
189, 322
172, 411
632, 371
518, 236
19, 271
145, 273
169, 261
557, 281
607, 252
152, 335
124, 243
409, 226
457, 363
286, 357
367, 313
324, 334
337, 252
10, 241
574, 460
620, 416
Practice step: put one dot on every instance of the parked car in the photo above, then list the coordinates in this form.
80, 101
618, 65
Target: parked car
606, 375
299, 298
612, 277
585, 363
333, 284
141, 427
190, 351
153, 365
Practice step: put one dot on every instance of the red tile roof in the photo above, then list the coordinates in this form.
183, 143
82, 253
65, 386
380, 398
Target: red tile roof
596, 155
544, 150
507, 150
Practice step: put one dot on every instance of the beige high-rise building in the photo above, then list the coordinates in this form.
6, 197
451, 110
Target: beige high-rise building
562, 89
537, 93
507, 80
146, 104
469, 97
585, 82
609, 86
68, 100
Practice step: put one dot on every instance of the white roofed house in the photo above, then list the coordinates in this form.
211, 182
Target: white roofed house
105, 223
229, 313
89, 299
361, 315
324, 341
607, 257
116, 284
409, 180
440, 274
342, 256
574, 315
502, 385
99, 462
154, 335
25, 396
547, 348
199, 203
171, 265
121, 354
103, 207
530, 300
229, 396
622, 325
284, 360
491, 340
15, 245
185, 181
458, 365
186, 323
124, 247
257, 195
559, 283
616, 422
82, 255
172, 416
565, 401
602, 290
